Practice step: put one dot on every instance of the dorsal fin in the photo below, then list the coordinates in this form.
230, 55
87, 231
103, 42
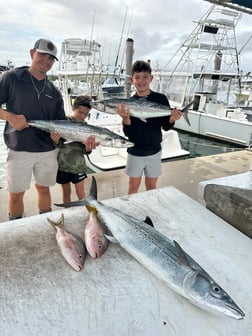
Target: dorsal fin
91, 208
148, 221
182, 258
111, 238
93, 188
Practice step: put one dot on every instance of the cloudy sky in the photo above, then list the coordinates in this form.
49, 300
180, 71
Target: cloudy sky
157, 26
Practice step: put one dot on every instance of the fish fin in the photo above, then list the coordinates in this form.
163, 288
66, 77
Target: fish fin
91, 208
74, 203
142, 119
93, 188
185, 112
182, 258
148, 221
59, 223
85, 201
111, 239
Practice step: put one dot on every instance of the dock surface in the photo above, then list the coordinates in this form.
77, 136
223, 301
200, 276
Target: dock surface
184, 175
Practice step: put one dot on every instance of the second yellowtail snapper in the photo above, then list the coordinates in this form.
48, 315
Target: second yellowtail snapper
71, 246
139, 107
94, 234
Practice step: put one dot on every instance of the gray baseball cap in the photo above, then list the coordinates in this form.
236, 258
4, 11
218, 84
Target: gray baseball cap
46, 46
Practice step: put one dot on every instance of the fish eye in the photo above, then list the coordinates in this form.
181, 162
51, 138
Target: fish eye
216, 291
80, 256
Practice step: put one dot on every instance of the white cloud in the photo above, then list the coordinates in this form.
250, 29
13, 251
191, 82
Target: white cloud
158, 27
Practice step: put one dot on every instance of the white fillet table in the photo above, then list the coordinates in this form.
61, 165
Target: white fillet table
40, 294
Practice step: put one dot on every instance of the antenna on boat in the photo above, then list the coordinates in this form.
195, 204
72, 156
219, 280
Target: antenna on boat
239, 73
128, 32
92, 27
120, 42
130, 20
93, 89
119, 46
245, 44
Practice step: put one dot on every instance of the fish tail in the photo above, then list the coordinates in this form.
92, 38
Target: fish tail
59, 223
91, 208
185, 112
99, 105
85, 201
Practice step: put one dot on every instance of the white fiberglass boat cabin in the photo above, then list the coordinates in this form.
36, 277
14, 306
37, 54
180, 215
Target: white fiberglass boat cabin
205, 70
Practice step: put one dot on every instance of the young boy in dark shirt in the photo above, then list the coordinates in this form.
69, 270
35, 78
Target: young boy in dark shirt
145, 156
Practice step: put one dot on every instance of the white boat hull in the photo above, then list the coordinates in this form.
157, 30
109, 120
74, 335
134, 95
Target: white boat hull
222, 128
106, 158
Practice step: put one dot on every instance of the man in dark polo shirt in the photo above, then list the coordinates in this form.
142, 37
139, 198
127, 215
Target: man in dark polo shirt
28, 94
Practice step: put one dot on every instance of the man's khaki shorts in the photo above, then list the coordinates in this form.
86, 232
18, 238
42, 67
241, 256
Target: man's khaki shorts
22, 166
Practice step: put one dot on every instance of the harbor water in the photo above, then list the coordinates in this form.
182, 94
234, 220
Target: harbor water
197, 146
200, 146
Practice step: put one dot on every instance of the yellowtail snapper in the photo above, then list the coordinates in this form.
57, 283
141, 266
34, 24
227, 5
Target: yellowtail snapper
71, 246
94, 234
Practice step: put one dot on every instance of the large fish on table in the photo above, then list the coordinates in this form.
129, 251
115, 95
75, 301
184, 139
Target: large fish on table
139, 107
78, 131
164, 258
71, 246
